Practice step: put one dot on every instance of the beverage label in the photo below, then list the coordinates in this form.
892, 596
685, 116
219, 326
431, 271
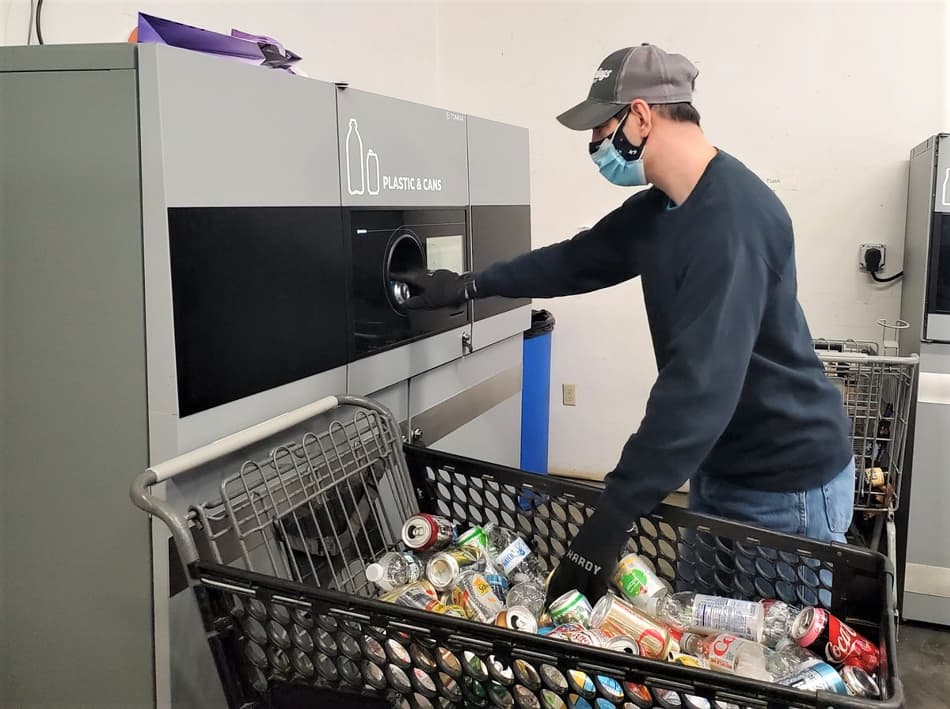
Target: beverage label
742, 618
474, 537
725, 652
513, 555
816, 676
846, 646
636, 579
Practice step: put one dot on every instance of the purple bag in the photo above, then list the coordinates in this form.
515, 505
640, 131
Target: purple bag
251, 48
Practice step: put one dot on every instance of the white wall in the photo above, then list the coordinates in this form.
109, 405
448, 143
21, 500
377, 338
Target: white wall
825, 97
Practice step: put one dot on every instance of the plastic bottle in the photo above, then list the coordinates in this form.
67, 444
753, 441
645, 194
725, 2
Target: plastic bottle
372, 172
730, 653
699, 613
529, 594
506, 549
778, 620
394, 569
355, 167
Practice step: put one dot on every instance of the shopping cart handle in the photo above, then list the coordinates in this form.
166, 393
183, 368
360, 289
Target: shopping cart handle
160, 472
236, 441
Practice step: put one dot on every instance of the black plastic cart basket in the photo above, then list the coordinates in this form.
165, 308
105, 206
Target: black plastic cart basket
306, 500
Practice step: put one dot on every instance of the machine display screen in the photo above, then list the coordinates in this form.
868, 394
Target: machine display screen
445, 252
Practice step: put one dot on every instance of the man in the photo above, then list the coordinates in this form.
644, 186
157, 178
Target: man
741, 405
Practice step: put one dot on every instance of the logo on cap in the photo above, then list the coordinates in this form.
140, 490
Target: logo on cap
601, 74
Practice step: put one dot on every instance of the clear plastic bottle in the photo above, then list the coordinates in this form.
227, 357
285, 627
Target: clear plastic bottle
699, 613
730, 653
778, 620
394, 569
529, 594
506, 549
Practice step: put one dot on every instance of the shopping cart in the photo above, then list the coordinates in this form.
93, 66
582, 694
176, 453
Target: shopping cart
876, 392
305, 501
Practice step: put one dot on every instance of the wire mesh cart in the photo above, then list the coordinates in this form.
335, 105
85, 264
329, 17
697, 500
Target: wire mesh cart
305, 501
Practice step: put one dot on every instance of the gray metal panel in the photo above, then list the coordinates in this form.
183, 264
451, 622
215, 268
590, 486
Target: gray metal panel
498, 169
472, 406
240, 135
437, 385
68, 57
399, 154
386, 368
930, 609
77, 602
395, 398
938, 327
494, 437
929, 525
920, 178
500, 327
934, 357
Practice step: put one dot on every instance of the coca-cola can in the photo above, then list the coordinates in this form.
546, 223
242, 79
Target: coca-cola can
827, 636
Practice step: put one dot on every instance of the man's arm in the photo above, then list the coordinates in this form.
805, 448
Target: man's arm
719, 309
720, 306
595, 258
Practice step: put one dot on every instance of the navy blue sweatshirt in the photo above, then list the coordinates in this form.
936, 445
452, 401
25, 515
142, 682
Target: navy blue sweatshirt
740, 392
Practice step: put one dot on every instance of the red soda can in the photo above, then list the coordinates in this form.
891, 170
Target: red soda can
825, 635
424, 532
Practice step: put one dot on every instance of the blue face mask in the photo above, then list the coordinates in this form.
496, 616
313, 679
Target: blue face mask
618, 160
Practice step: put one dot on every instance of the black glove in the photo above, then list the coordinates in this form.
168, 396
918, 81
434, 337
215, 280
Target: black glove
438, 289
592, 557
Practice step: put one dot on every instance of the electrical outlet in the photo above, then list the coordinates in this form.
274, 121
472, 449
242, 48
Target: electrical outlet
569, 394
862, 255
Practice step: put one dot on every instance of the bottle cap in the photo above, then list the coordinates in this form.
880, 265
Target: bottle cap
374, 572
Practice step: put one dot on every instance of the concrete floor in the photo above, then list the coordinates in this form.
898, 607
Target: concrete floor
923, 657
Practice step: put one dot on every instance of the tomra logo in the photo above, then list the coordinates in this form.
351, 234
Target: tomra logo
583, 563
601, 74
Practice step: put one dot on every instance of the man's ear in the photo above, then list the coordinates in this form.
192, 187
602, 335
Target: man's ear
640, 112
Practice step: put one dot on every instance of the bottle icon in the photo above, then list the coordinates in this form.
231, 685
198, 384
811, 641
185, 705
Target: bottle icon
372, 172
946, 188
355, 169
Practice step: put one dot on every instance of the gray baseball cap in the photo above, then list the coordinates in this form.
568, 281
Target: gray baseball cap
645, 72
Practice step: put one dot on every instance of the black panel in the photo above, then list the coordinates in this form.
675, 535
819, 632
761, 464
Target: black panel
938, 281
499, 234
259, 297
384, 240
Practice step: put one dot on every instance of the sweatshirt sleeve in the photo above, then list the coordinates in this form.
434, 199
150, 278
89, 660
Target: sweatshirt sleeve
718, 311
595, 258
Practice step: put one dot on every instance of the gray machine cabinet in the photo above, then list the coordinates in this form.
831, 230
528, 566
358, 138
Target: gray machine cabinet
97, 144
75, 586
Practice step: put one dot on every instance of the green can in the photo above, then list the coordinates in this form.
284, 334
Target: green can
572, 607
473, 537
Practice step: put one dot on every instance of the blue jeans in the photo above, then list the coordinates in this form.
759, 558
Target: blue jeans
822, 513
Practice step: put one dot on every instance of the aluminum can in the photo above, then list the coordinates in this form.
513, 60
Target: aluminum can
572, 607
637, 581
517, 618
859, 683
473, 537
577, 633
638, 695
826, 635
497, 580
454, 611
425, 532
614, 616
815, 676
417, 595
528, 594
623, 643
444, 567
473, 593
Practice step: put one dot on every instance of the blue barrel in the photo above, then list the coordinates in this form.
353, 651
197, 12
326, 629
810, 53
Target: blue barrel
536, 392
